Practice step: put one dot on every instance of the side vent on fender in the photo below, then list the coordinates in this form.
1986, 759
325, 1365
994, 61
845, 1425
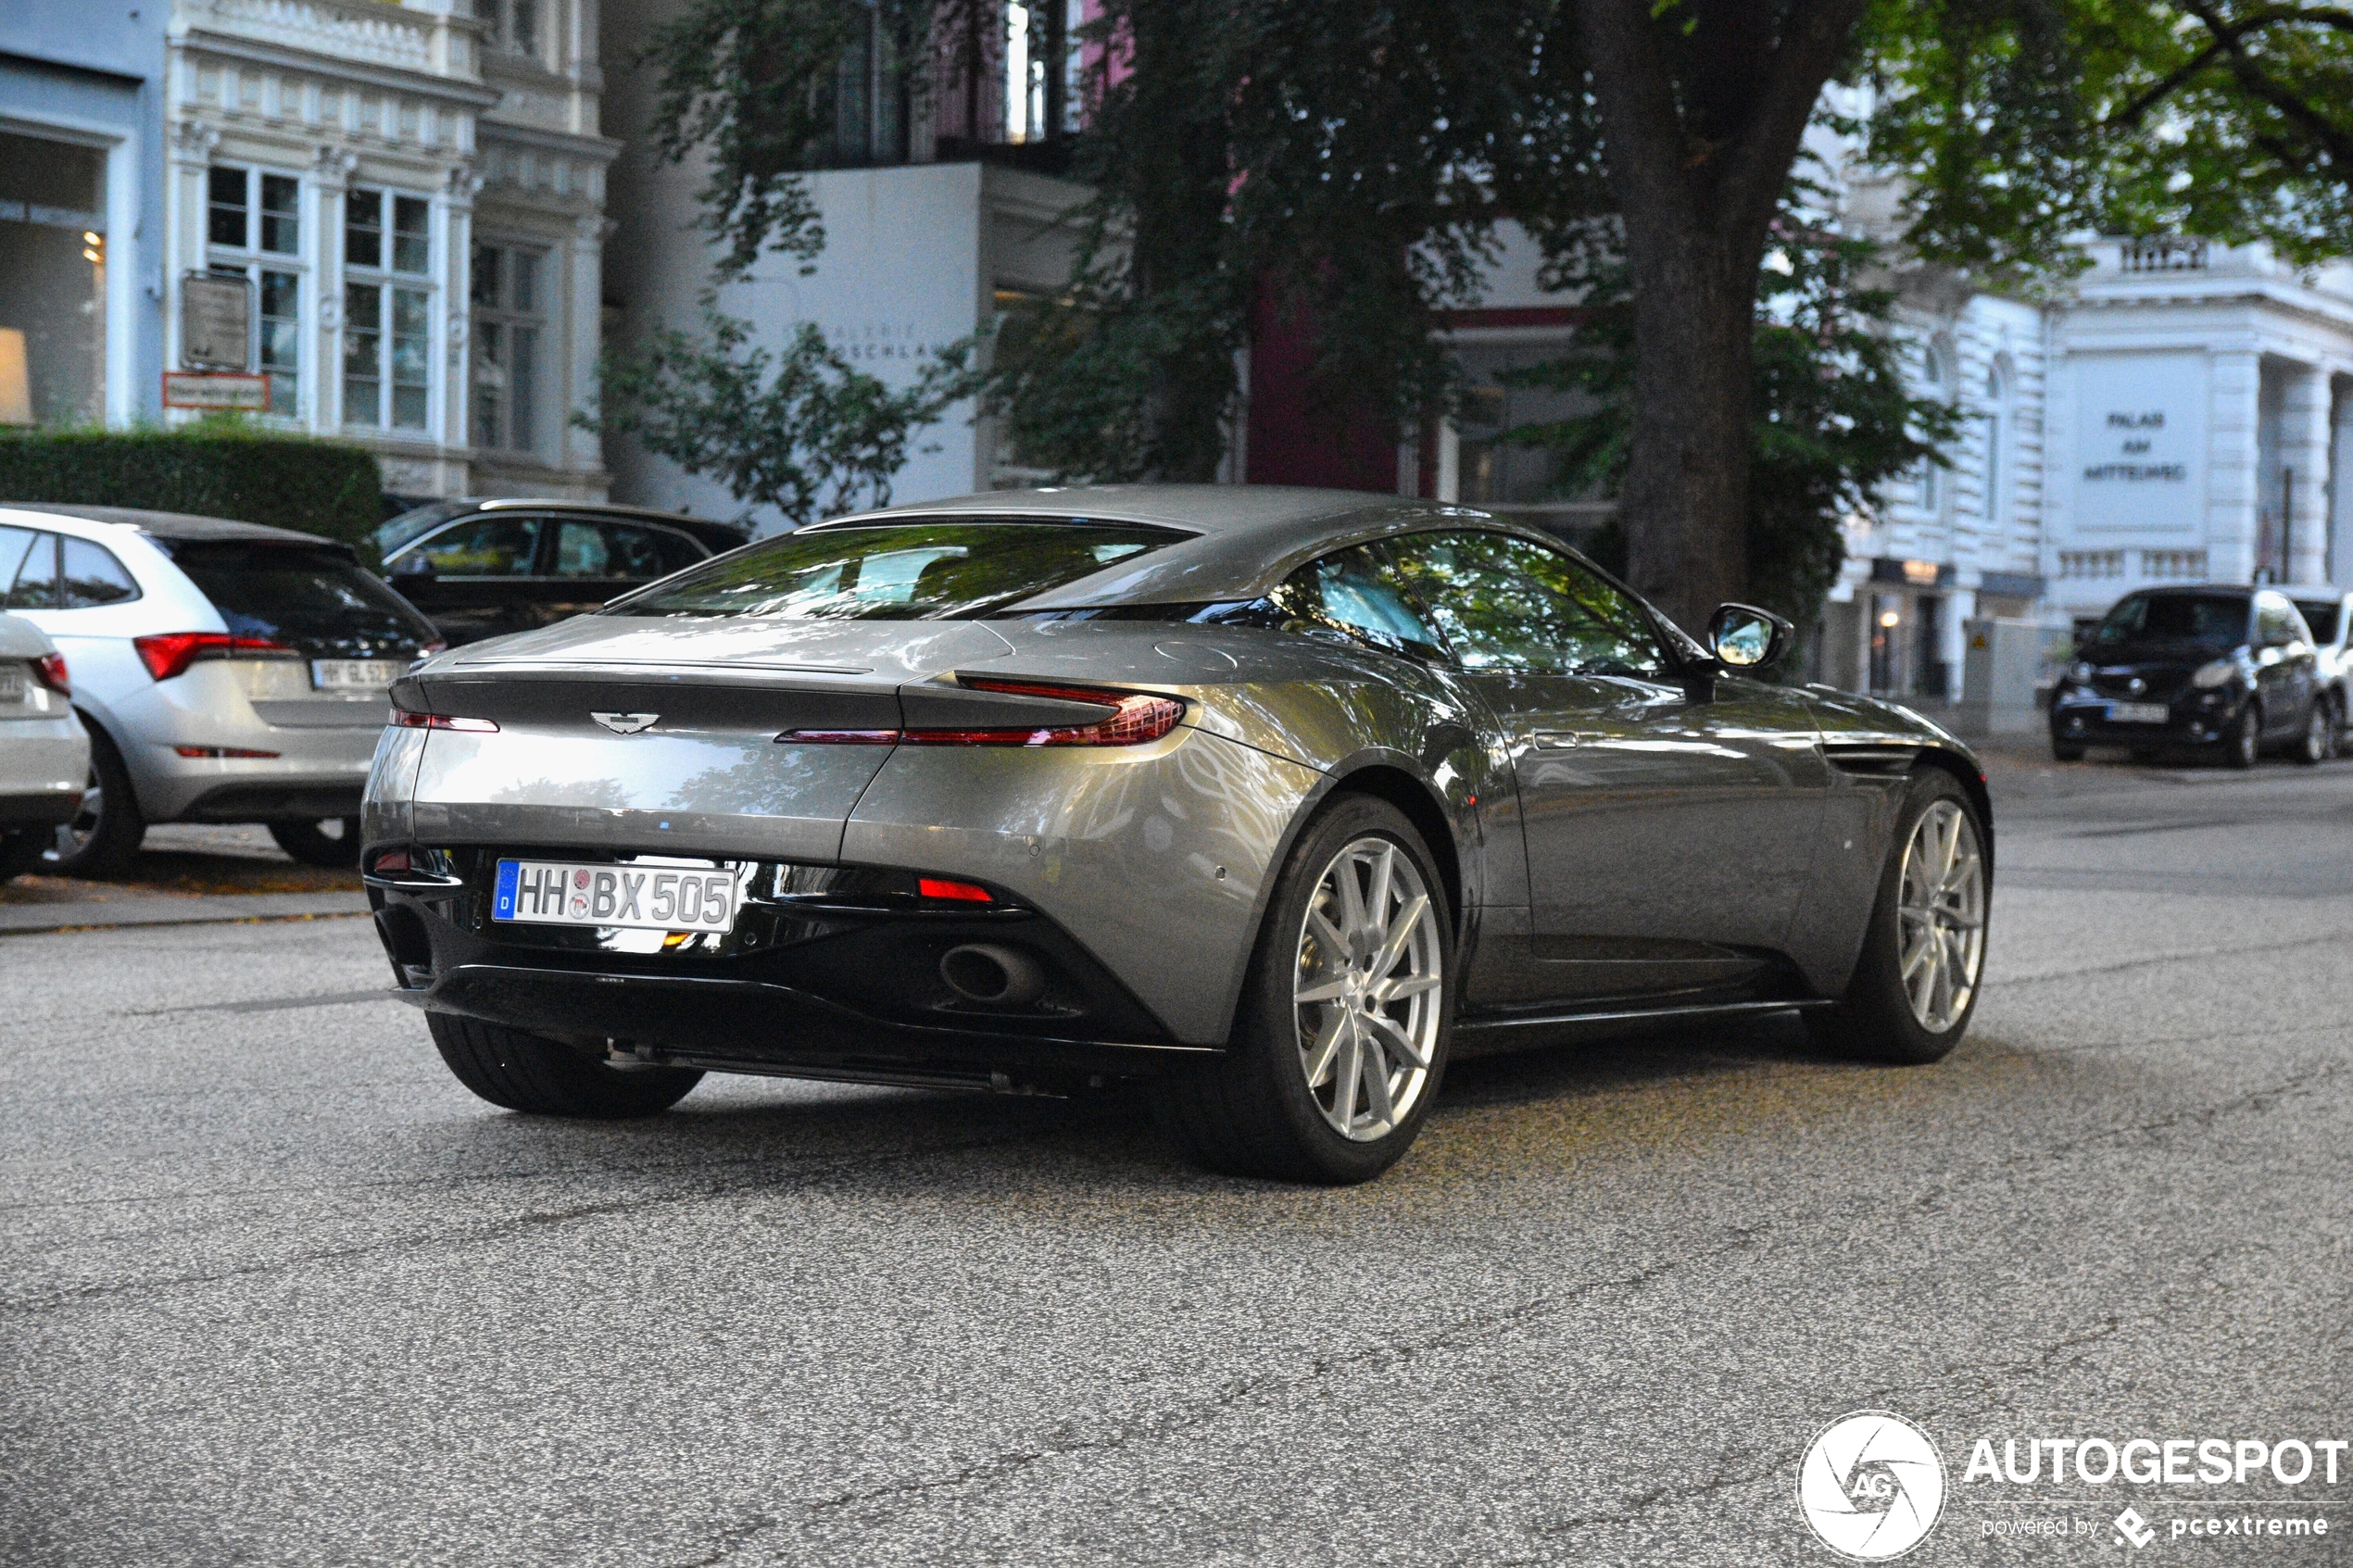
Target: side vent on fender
1872, 761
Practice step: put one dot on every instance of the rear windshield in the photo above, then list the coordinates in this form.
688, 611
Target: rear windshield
896, 571
2319, 615
314, 600
2216, 619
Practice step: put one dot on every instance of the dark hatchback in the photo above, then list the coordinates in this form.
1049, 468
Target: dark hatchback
482, 568
2222, 667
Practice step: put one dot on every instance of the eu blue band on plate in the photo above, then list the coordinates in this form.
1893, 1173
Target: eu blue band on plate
505, 900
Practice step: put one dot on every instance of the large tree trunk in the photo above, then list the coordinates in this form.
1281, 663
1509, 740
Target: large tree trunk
1701, 128
1685, 495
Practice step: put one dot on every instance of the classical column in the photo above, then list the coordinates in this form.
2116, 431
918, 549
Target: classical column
331, 170
2305, 450
461, 183
2231, 514
583, 452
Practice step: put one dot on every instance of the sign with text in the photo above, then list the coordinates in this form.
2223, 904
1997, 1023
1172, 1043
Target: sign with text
215, 322
199, 389
2140, 444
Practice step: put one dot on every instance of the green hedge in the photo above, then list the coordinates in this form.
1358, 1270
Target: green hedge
214, 469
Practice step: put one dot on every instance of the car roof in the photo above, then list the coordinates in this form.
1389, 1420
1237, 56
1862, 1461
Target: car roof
711, 534
1243, 539
177, 526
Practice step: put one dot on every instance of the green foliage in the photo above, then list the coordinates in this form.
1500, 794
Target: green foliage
750, 86
804, 432
2022, 123
221, 466
1831, 415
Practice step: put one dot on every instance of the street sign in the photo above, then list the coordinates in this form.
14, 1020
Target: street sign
215, 322
199, 389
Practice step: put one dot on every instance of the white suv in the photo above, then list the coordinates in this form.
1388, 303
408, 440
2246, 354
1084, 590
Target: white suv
228, 673
45, 752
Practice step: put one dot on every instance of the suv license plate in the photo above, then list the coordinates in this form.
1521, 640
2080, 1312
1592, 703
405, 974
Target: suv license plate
2137, 714
354, 674
622, 897
13, 685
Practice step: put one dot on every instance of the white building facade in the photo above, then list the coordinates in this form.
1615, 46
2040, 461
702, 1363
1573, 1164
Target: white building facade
414, 195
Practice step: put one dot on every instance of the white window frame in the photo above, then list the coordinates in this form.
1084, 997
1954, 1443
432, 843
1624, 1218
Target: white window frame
389, 283
502, 318
254, 263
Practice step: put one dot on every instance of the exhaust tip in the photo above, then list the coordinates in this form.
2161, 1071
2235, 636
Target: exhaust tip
986, 973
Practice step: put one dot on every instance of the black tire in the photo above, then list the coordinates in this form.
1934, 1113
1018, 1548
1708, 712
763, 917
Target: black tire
546, 1078
2242, 743
2062, 752
1251, 1112
2336, 706
313, 845
100, 844
2312, 746
1874, 1022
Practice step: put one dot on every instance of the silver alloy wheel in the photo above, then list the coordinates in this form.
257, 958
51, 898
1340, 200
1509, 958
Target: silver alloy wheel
1939, 916
1370, 989
74, 838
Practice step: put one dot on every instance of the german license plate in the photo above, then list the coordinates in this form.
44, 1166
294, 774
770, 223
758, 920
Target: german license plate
354, 674
13, 685
2137, 714
619, 898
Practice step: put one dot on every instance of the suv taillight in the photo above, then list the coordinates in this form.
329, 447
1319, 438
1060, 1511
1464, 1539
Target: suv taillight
51, 668
168, 654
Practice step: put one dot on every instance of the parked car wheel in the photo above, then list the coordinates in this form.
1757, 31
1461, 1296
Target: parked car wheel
549, 1078
2336, 706
1341, 1039
334, 842
2243, 742
103, 837
1916, 983
2312, 747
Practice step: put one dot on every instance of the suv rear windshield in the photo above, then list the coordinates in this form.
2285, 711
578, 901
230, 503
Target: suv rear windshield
318, 601
2214, 620
896, 572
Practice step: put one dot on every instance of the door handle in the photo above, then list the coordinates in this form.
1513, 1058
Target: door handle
1554, 740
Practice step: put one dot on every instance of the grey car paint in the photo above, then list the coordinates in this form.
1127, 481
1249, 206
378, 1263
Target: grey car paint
1685, 839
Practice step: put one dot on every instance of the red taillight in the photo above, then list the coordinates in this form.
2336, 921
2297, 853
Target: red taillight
51, 668
964, 892
169, 653
404, 720
1131, 719
390, 860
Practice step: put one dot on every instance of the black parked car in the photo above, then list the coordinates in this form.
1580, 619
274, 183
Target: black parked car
480, 568
2222, 666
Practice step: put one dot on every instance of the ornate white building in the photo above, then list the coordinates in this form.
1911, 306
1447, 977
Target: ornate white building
415, 194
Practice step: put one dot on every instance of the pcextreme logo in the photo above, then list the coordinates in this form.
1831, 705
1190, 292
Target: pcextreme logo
1871, 1485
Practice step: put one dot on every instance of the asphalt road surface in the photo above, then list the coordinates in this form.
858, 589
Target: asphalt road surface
277, 1291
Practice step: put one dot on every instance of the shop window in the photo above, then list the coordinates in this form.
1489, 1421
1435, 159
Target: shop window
509, 321
53, 281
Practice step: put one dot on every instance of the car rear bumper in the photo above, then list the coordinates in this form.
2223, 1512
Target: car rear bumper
796, 989
45, 808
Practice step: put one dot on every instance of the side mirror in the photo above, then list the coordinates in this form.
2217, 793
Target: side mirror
1744, 637
416, 563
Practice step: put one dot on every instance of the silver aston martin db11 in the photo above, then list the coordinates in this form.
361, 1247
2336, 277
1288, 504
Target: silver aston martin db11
1269, 798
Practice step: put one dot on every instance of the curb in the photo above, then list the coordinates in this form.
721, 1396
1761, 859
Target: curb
39, 920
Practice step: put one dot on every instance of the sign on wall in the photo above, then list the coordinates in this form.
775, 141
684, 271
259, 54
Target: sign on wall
215, 322
206, 389
2140, 442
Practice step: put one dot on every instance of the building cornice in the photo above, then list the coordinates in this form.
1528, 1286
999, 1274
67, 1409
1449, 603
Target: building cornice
310, 63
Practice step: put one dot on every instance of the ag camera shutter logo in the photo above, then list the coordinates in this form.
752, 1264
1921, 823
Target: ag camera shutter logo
1871, 1485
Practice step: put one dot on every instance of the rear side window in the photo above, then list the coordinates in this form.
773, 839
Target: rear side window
896, 572
2213, 620
488, 547
623, 550
313, 600
1357, 591
93, 576
14, 543
2319, 615
34, 585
